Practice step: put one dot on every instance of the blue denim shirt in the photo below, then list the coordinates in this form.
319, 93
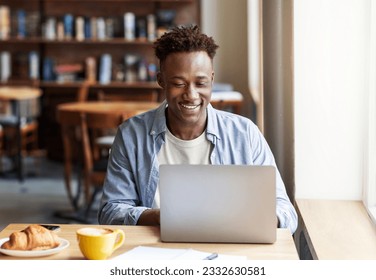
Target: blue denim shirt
133, 169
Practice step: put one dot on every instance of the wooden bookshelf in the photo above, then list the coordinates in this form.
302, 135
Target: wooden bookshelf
38, 13
73, 50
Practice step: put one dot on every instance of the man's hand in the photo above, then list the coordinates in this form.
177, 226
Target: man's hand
149, 217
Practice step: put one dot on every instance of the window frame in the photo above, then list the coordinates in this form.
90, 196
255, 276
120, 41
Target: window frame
369, 194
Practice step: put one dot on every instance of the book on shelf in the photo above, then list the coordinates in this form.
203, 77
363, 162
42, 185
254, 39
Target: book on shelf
118, 27
152, 72
60, 35
131, 67
142, 71
90, 69
5, 22
105, 69
49, 28
33, 22
33, 65
104, 28
68, 26
5, 66
68, 68
68, 72
48, 69
141, 28
109, 28
93, 28
99, 28
87, 28
80, 28
129, 26
27, 24
151, 27
137, 69
21, 23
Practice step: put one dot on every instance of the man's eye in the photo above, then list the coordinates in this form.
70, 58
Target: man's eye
178, 84
202, 84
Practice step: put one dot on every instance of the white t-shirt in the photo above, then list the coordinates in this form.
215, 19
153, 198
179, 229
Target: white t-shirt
177, 151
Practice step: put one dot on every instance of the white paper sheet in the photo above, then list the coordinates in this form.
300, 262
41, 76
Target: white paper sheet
155, 253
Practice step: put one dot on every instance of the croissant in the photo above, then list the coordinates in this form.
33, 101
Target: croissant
34, 237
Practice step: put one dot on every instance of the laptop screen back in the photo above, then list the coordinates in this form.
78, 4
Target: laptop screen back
218, 203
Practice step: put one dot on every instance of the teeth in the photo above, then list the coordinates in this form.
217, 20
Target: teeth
190, 107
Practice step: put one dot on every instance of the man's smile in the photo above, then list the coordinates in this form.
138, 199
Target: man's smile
189, 107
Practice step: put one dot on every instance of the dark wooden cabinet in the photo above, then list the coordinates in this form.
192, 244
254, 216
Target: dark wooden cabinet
39, 39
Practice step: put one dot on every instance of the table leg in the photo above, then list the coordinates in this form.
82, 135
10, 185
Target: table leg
19, 164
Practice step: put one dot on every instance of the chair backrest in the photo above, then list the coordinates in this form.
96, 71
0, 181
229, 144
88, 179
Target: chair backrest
91, 124
71, 136
1, 147
83, 91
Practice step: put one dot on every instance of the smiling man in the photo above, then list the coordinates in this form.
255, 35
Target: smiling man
187, 79
185, 129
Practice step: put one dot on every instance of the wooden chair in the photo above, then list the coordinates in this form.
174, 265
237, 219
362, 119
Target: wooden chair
95, 168
103, 139
79, 122
29, 130
29, 138
1, 147
71, 137
83, 91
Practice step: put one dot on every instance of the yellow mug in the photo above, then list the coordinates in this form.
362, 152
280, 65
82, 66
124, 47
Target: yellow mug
99, 243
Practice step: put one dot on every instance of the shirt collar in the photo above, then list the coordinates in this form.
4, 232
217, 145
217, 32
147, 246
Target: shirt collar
212, 124
159, 124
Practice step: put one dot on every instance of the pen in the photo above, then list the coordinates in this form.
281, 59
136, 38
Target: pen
211, 257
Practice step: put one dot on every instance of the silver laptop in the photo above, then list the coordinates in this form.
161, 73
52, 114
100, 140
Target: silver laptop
218, 203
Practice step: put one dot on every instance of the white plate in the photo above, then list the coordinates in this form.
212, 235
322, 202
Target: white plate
36, 253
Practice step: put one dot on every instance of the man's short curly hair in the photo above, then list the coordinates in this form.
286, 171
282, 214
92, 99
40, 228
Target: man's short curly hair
184, 39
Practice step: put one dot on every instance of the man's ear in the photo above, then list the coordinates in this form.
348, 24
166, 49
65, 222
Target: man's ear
160, 80
212, 77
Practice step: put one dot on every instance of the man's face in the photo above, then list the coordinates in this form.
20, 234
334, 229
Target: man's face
186, 79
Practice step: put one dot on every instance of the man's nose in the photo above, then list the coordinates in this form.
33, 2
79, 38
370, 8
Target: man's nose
192, 92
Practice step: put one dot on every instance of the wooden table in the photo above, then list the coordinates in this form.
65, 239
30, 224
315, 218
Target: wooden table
337, 229
18, 95
105, 107
283, 248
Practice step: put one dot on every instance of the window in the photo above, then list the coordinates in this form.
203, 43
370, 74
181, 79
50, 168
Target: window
370, 150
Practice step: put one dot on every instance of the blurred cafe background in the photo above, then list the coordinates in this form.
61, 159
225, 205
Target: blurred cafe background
303, 71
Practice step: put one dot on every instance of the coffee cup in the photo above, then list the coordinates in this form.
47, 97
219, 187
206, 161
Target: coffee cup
99, 243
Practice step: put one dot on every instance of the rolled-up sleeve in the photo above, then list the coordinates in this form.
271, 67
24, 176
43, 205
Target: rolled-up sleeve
286, 212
